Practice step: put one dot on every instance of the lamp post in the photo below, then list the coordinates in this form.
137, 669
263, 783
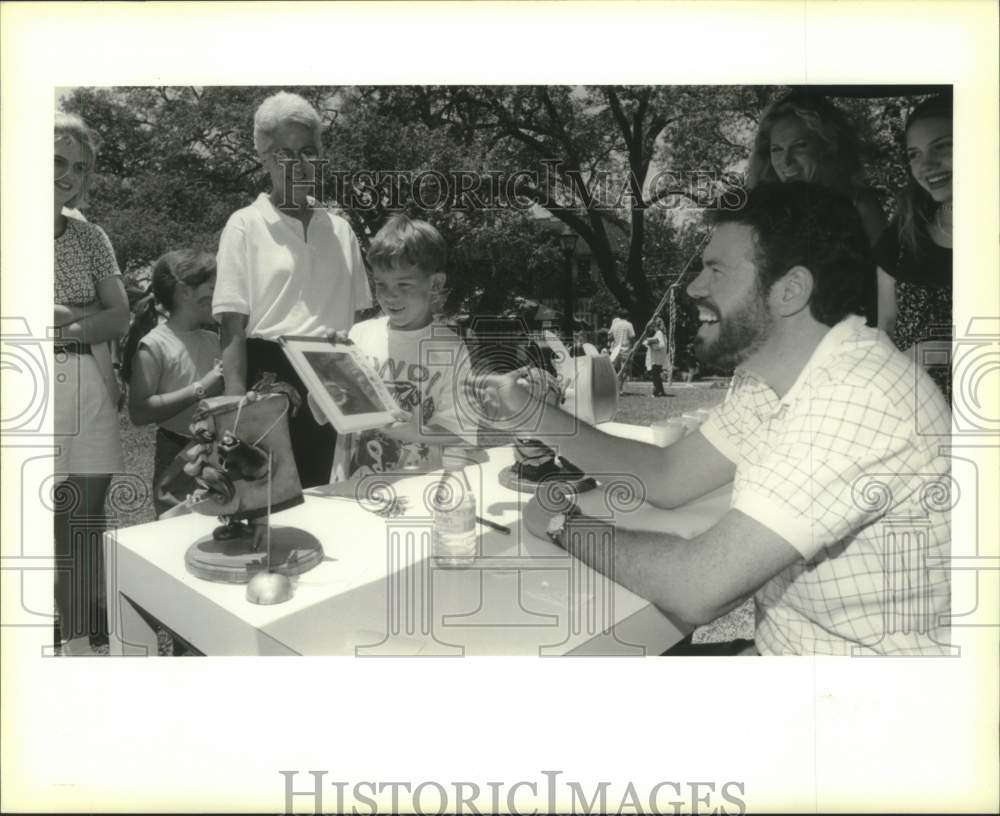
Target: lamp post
567, 240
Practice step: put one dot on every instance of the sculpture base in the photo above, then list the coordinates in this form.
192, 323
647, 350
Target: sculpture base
578, 482
234, 560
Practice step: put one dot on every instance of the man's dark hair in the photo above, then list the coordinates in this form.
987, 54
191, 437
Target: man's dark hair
803, 224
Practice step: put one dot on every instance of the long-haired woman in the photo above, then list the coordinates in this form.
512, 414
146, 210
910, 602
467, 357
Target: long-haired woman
914, 252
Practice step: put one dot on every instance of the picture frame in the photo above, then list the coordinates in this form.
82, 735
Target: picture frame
341, 382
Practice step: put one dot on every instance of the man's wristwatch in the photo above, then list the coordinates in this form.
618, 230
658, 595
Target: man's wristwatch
199, 391
556, 530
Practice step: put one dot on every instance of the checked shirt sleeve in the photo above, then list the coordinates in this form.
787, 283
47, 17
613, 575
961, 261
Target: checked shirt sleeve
738, 417
804, 482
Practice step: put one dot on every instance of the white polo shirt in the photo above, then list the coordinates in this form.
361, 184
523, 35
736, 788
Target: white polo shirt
287, 280
847, 468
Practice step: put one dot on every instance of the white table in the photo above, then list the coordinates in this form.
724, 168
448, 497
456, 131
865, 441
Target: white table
378, 591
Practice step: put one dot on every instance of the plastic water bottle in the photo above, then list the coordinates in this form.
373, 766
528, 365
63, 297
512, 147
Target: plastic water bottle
455, 538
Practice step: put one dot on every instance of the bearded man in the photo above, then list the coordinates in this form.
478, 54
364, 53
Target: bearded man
822, 411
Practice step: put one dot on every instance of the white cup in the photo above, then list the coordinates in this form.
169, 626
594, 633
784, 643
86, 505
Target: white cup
667, 431
691, 422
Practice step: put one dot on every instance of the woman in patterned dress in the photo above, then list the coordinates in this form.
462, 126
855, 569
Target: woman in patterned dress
914, 252
91, 308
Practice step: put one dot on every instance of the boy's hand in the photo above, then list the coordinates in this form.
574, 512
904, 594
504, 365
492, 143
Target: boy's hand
340, 337
402, 419
317, 412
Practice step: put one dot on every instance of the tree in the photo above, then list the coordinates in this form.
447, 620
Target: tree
628, 168
174, 162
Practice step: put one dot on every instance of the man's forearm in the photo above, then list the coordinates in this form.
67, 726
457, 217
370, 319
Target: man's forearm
656, 566
597, 452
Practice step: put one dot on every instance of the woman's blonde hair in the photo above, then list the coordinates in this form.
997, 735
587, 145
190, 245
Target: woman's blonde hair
827, 121
69, 125
280, 109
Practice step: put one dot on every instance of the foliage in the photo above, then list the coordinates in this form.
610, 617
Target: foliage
627, 168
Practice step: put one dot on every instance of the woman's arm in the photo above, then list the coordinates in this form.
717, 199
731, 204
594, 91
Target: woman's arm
886, 302
234, 352
69, 314
104, 319
145, 405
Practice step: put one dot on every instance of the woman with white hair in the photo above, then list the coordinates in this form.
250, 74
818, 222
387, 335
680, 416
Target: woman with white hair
287, 266
91, 308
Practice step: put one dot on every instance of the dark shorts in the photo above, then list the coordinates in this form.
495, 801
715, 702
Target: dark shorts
312, 443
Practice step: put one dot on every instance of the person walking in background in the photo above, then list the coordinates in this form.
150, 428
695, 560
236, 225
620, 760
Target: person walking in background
91, 309
622, 335
656, 354
914, 253
170, 367
287, 266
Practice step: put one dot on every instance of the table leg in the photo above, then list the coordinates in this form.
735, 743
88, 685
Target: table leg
131, 630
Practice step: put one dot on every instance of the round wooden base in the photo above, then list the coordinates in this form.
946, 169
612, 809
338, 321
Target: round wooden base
234, 561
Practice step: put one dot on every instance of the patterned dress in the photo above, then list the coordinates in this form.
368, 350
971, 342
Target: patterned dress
85, 393
83, 256
923, 296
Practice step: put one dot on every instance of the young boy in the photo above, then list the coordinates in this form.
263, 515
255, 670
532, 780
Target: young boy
421, 363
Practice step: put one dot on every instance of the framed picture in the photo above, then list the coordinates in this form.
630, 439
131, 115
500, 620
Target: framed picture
343, 384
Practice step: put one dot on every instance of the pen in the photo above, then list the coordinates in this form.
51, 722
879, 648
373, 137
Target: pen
493, 525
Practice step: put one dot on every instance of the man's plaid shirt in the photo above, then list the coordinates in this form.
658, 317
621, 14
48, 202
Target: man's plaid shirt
846, 468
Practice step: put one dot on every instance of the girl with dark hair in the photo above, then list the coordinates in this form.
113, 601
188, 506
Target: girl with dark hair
914, 252
171, 366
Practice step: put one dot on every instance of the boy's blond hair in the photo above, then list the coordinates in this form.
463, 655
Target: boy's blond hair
405, 241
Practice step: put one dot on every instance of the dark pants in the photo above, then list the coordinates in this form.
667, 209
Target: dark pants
657, 372
312, 443
80, 592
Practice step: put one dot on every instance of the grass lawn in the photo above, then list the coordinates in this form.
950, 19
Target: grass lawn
636, 406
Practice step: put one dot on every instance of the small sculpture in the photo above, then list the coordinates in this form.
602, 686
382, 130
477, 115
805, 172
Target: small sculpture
239, 467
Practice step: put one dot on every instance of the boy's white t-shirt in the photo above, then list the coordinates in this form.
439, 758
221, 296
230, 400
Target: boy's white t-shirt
422, 370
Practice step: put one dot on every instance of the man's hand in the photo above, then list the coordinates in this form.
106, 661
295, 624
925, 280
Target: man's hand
507, 398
